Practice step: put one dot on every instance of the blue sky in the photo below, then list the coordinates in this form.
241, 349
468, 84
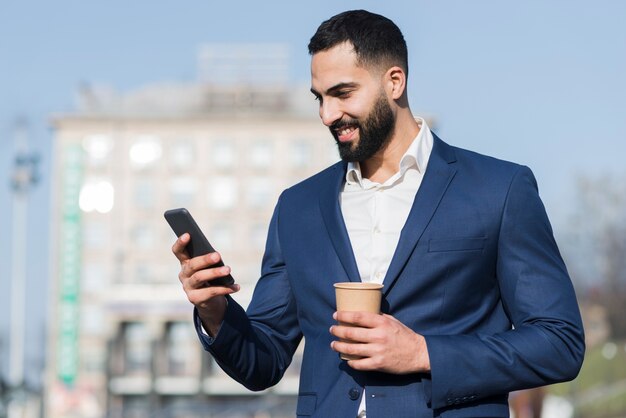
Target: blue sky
538, 82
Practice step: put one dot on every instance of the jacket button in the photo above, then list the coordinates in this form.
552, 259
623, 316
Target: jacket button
354, 394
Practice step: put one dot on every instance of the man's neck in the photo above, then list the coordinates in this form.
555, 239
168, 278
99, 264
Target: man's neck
385, 162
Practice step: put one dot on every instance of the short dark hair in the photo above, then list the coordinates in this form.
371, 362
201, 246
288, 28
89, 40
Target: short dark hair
376, 39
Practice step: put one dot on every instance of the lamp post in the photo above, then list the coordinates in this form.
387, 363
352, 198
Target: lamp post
24, 177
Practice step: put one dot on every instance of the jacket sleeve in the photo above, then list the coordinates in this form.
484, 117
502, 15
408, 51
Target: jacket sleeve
546, 344
256, 347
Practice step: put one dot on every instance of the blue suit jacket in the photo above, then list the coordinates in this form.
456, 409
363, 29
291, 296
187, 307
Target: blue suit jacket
476, 271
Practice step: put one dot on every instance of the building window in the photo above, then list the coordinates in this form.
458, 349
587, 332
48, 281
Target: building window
91, 319
180, 348
144, 273
94, 277
223, 236
259, 192
137, 407
223, 154
143, 236
333, 153
93, 358
98, 148
301, 154
223, 192
182, 191
182, 155
96, 194
261, 154
185, 407
259, 236
145, 193
95, 235
137, 348
145, 151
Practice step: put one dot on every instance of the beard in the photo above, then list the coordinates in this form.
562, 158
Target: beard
374, 132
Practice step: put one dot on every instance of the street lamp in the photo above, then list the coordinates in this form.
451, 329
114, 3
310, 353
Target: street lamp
24, 178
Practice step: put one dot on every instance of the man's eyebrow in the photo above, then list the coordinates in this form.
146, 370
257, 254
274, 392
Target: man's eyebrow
336, 88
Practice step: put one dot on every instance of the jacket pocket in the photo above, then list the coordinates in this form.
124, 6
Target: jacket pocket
306, 404
456, 244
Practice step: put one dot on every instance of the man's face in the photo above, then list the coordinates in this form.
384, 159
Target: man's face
353, 103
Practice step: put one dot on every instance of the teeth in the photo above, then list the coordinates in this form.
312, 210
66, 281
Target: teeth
346, 131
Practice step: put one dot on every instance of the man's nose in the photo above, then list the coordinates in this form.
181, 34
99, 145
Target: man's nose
329, 112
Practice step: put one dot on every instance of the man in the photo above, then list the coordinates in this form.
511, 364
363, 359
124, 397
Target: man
476, 301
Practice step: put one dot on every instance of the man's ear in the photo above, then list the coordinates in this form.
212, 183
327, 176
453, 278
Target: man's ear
395, 80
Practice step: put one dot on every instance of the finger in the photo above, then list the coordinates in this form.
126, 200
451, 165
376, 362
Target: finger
202, 278
356, 334
361, 319
348, 347
199, 297
204, 261
190, 266
390, 318
365, 363
179, 247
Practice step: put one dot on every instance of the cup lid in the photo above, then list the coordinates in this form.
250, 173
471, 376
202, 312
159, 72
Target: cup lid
358, 285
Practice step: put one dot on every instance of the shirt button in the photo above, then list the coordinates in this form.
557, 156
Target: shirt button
376, 230
354, 394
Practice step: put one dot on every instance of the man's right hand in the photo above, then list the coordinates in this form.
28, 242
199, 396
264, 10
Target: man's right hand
195, 276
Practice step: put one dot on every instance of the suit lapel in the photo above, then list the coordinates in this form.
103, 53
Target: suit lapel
335, 225
438, 176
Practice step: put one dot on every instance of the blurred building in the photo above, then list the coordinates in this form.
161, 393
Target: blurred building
121, 338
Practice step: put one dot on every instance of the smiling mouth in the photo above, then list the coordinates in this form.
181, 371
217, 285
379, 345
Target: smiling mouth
346, 133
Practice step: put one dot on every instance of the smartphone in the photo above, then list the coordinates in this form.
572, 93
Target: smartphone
181, 221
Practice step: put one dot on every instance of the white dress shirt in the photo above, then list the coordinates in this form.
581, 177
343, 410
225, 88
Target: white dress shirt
375, 213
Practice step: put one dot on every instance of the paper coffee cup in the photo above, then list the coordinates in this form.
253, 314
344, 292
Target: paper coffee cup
357, 297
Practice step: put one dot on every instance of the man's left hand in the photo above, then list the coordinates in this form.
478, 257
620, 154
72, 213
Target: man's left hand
386, 344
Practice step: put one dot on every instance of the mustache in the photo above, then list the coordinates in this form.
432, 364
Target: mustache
343, 123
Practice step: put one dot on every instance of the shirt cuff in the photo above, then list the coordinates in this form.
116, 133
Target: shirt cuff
204, 336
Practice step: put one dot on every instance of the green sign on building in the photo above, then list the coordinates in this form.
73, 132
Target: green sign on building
69, 265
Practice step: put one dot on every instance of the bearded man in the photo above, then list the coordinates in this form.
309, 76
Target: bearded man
477, 301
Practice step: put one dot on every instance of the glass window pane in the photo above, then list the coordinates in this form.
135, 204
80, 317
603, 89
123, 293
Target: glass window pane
94, 276
182, 191
137, 407
182, 154
98, 148
137, 348
95, 235
91, 319
143, 236
97, 194
259, 192
223, 192
145, 151
180, 345
144, 273
333, 153
259, 236
301, 154
261, 154
223, 154
223, 236
145, 193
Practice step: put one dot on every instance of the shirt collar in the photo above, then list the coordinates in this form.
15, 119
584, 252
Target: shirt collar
416, 156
